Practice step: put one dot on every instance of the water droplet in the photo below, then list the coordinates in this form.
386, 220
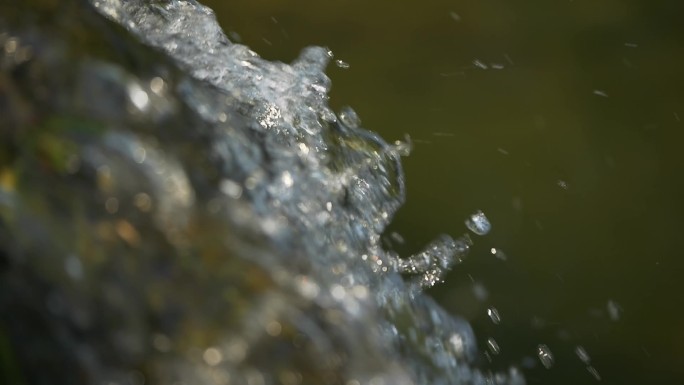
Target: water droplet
236, 350
338, 292
494, 315
478, 223
477, 63
480, 292
582, 354
493, 346
498, 254
112, 205
157, 85
143, 202
614, 310
212, 356
403, 148
341, 64
73, 267
230, 188
274, 328
397, 238
161, 342
139, 154
594, 373
545, 356
138, 96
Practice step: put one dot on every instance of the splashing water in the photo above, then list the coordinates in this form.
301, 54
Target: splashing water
192, 213
478, 223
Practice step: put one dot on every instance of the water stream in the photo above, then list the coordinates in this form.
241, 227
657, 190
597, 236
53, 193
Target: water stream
176, 210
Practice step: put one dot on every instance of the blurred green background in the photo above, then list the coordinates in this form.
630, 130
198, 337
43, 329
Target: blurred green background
562, 121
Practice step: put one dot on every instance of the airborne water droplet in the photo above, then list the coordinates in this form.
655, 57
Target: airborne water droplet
614, 310
594, 373
478, 223
545, 356
582, 354
494, 315
341, 64
498, 254
493, 346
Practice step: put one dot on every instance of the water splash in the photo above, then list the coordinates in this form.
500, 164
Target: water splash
478, 223
186, 207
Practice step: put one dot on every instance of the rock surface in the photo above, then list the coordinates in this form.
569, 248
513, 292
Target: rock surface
176, 210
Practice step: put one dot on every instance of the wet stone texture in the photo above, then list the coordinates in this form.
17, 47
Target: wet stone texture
176, 210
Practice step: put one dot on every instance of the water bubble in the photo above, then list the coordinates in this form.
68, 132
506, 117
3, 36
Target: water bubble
545, 356
478, 223
494, 315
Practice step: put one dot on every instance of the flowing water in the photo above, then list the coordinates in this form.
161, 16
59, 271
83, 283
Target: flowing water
177, 210
214, 218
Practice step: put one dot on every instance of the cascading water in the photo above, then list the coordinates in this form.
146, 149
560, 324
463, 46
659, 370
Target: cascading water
176, 210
